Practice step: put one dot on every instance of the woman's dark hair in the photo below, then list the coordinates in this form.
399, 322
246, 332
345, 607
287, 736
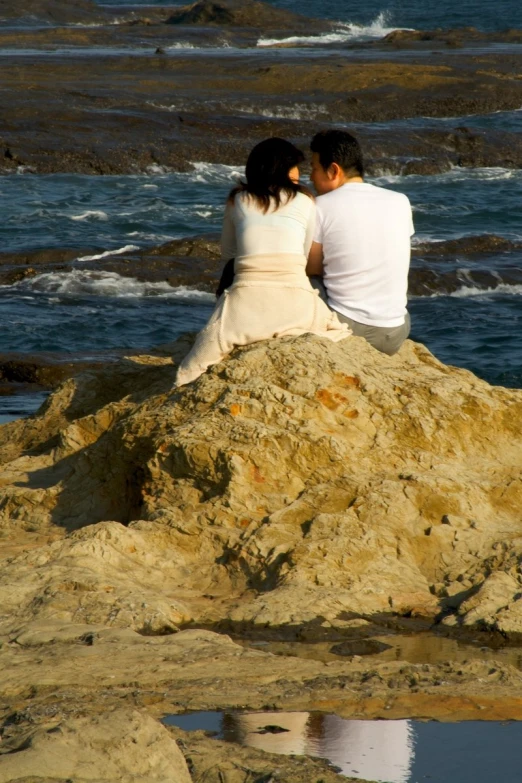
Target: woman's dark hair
266, 173
338, 146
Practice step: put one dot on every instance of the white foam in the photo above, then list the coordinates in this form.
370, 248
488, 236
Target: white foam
79, 282
153, 238
180, 45
456, 173
126, 249
216, 173
156, 168
343, 32
473, 291
296, 111
91, 214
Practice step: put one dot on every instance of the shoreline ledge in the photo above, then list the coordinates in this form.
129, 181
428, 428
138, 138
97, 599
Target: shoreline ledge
298, 482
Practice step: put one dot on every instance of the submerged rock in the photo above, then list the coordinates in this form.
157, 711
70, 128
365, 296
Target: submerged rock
298, 479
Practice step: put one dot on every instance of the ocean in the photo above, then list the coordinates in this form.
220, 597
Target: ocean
475, 323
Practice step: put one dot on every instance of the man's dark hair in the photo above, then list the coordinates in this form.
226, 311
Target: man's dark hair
338, 146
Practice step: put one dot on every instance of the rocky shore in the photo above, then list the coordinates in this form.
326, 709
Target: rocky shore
125, 92
301, 489
323, 501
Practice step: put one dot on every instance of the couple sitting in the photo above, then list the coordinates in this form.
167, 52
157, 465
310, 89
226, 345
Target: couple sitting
356, 237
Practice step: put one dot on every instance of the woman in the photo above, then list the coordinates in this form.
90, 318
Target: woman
268, 228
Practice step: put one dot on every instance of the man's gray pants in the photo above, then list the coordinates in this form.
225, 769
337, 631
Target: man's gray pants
387, 339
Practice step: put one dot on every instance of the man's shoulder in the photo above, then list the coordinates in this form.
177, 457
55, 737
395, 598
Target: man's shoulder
369, 189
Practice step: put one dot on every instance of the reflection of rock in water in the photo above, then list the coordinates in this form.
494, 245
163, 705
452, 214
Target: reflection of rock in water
250, 730
372, 750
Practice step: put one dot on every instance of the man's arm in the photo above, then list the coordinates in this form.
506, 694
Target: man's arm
315, 260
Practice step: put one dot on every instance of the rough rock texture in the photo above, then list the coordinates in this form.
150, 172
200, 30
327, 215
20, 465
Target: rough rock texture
244, 13
297, 480
123, 745
55, 11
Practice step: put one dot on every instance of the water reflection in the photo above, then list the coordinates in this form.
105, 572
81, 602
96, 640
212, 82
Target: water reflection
394, 751
372, 750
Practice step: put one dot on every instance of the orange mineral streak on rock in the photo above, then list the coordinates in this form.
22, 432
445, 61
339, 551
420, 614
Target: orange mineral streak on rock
348, 380
235, 409
401, 507
327, 399
256, 475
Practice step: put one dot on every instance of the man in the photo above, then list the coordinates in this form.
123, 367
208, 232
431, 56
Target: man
361, 245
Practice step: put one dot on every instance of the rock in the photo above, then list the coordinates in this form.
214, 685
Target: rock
244, 13
360, 647
297, 480
57, 11
496, 605
48, 369
123, 745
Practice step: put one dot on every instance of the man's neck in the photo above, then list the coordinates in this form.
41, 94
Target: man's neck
350, 180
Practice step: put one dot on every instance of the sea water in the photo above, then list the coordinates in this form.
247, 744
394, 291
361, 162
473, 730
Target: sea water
477, 328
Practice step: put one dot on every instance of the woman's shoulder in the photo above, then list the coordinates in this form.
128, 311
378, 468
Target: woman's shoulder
305, 200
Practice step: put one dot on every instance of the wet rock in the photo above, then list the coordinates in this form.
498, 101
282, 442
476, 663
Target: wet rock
471, 245
56, 11
46, 370
95, 128
451, 37
360, 647
244, 13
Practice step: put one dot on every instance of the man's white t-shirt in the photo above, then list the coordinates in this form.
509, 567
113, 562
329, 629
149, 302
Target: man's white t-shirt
365, 233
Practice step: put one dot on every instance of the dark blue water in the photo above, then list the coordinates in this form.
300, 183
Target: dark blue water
83, 310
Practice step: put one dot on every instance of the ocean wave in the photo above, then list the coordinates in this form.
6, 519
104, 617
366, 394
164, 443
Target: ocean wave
91, 214
474, 291
156, 168
216, 173
180, 45
344, 32
80, 282
152, 238
455, 173
125, 249
296, 111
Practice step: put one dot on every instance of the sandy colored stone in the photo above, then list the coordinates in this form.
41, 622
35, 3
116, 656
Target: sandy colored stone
50, 670
124, 745
299, 479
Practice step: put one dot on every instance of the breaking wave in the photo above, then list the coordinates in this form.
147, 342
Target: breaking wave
81, 282
119, 251
92, 214
344, 32
474, 291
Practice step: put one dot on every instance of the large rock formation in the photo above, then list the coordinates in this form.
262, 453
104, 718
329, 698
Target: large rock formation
123, 745
245, 13
297, 480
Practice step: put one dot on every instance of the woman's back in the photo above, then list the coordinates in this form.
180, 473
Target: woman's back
249, 231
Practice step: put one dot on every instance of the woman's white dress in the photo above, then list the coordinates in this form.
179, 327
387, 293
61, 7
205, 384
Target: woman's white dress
271, 295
